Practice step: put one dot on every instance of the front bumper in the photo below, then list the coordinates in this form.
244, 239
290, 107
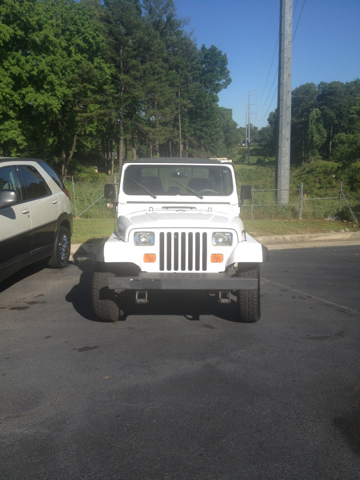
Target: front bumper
183, 281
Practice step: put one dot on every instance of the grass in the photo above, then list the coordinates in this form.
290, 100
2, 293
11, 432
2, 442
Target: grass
92, 230
95, 230
286, 227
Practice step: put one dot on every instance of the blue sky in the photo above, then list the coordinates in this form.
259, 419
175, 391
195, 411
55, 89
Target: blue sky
326, 47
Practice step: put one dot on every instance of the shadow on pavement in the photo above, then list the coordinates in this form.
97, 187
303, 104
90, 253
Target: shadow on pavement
80, 294
22, 274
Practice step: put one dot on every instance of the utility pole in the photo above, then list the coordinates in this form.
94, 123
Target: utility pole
284, 103
249, 118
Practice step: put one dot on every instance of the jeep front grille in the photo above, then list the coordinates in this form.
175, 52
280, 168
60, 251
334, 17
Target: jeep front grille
183, 251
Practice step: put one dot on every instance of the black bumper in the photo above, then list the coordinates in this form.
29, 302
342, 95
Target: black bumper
183, 281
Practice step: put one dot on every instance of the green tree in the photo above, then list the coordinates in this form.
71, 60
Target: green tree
347, 148
57, 81
124, 26
317, 133
215, 74
303, 102
267, 135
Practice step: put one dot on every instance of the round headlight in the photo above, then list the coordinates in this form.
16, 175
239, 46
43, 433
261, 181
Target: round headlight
221, 239
144, 239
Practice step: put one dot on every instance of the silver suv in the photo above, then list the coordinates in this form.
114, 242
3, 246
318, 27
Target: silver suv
35, 215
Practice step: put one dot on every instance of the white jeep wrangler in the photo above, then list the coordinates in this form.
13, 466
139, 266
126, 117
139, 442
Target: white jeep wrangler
178, 228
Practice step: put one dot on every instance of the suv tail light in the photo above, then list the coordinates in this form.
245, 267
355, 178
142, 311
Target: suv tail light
67, 193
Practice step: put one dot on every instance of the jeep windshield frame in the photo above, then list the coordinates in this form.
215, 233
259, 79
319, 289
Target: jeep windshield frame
178, 180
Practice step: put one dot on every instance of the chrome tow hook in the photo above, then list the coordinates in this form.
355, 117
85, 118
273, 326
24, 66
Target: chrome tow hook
224, 297
141, 297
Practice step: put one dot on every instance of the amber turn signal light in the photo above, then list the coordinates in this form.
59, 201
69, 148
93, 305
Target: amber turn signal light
149, 258
217, 258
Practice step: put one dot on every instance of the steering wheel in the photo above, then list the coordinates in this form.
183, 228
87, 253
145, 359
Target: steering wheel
207, 190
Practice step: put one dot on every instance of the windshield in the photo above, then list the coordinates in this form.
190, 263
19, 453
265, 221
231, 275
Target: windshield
189, 180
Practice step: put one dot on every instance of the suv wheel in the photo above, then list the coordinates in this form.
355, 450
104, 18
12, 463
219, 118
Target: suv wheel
248, 301
103, 299
61, 254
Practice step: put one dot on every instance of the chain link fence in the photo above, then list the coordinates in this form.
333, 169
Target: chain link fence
87, 198
88, 202
263, 205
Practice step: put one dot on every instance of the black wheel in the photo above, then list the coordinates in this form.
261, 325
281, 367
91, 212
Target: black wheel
103, 299
61, 253
248, 301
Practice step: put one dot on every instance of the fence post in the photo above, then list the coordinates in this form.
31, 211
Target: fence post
73, 186
340, 196
301, 194
252, 208
352, 214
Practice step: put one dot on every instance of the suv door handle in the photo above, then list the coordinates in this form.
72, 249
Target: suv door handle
25, 211
54, 202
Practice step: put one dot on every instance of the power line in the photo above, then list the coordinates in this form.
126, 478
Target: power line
270, 89
272, 61
299, 18
269, 104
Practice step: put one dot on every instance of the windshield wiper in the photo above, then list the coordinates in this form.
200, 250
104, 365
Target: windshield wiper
143, 187
189, 189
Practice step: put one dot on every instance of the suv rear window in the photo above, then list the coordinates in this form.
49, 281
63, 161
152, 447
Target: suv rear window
35, 185
52, 174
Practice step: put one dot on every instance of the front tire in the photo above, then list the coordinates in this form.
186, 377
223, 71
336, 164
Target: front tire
248, 301
61, 253
103, 299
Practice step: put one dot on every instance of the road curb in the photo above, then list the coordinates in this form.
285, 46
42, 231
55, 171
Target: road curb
91, 250
308, 237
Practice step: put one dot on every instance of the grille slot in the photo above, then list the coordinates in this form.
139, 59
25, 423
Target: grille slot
183, 251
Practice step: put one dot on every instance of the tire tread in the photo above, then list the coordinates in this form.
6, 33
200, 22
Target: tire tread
248, 301
106, 310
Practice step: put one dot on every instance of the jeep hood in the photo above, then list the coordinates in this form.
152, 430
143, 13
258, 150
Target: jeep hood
180, 219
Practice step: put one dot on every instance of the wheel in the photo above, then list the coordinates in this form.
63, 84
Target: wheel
103, 299
61, 253
248, 301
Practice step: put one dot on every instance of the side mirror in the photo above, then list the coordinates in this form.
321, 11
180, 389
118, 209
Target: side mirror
110, 191
8, 198
245, 193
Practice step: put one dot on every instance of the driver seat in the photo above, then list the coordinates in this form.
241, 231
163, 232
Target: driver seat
199, 184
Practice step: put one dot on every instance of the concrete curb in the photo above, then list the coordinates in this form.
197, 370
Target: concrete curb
91, 250
308, 237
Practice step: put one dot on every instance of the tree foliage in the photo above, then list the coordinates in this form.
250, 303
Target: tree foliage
325, 125
82, 79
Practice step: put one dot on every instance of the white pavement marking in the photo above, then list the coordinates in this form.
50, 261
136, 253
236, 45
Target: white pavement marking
311, 296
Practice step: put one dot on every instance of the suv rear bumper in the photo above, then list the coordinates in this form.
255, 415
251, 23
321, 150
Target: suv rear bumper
183, 281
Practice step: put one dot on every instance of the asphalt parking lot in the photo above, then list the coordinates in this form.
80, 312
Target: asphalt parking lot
180, 390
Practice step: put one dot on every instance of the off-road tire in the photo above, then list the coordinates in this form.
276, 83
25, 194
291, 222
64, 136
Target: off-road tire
61, 253
103, 299
248, 301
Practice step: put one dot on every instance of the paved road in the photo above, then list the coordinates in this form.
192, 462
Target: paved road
179, 390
